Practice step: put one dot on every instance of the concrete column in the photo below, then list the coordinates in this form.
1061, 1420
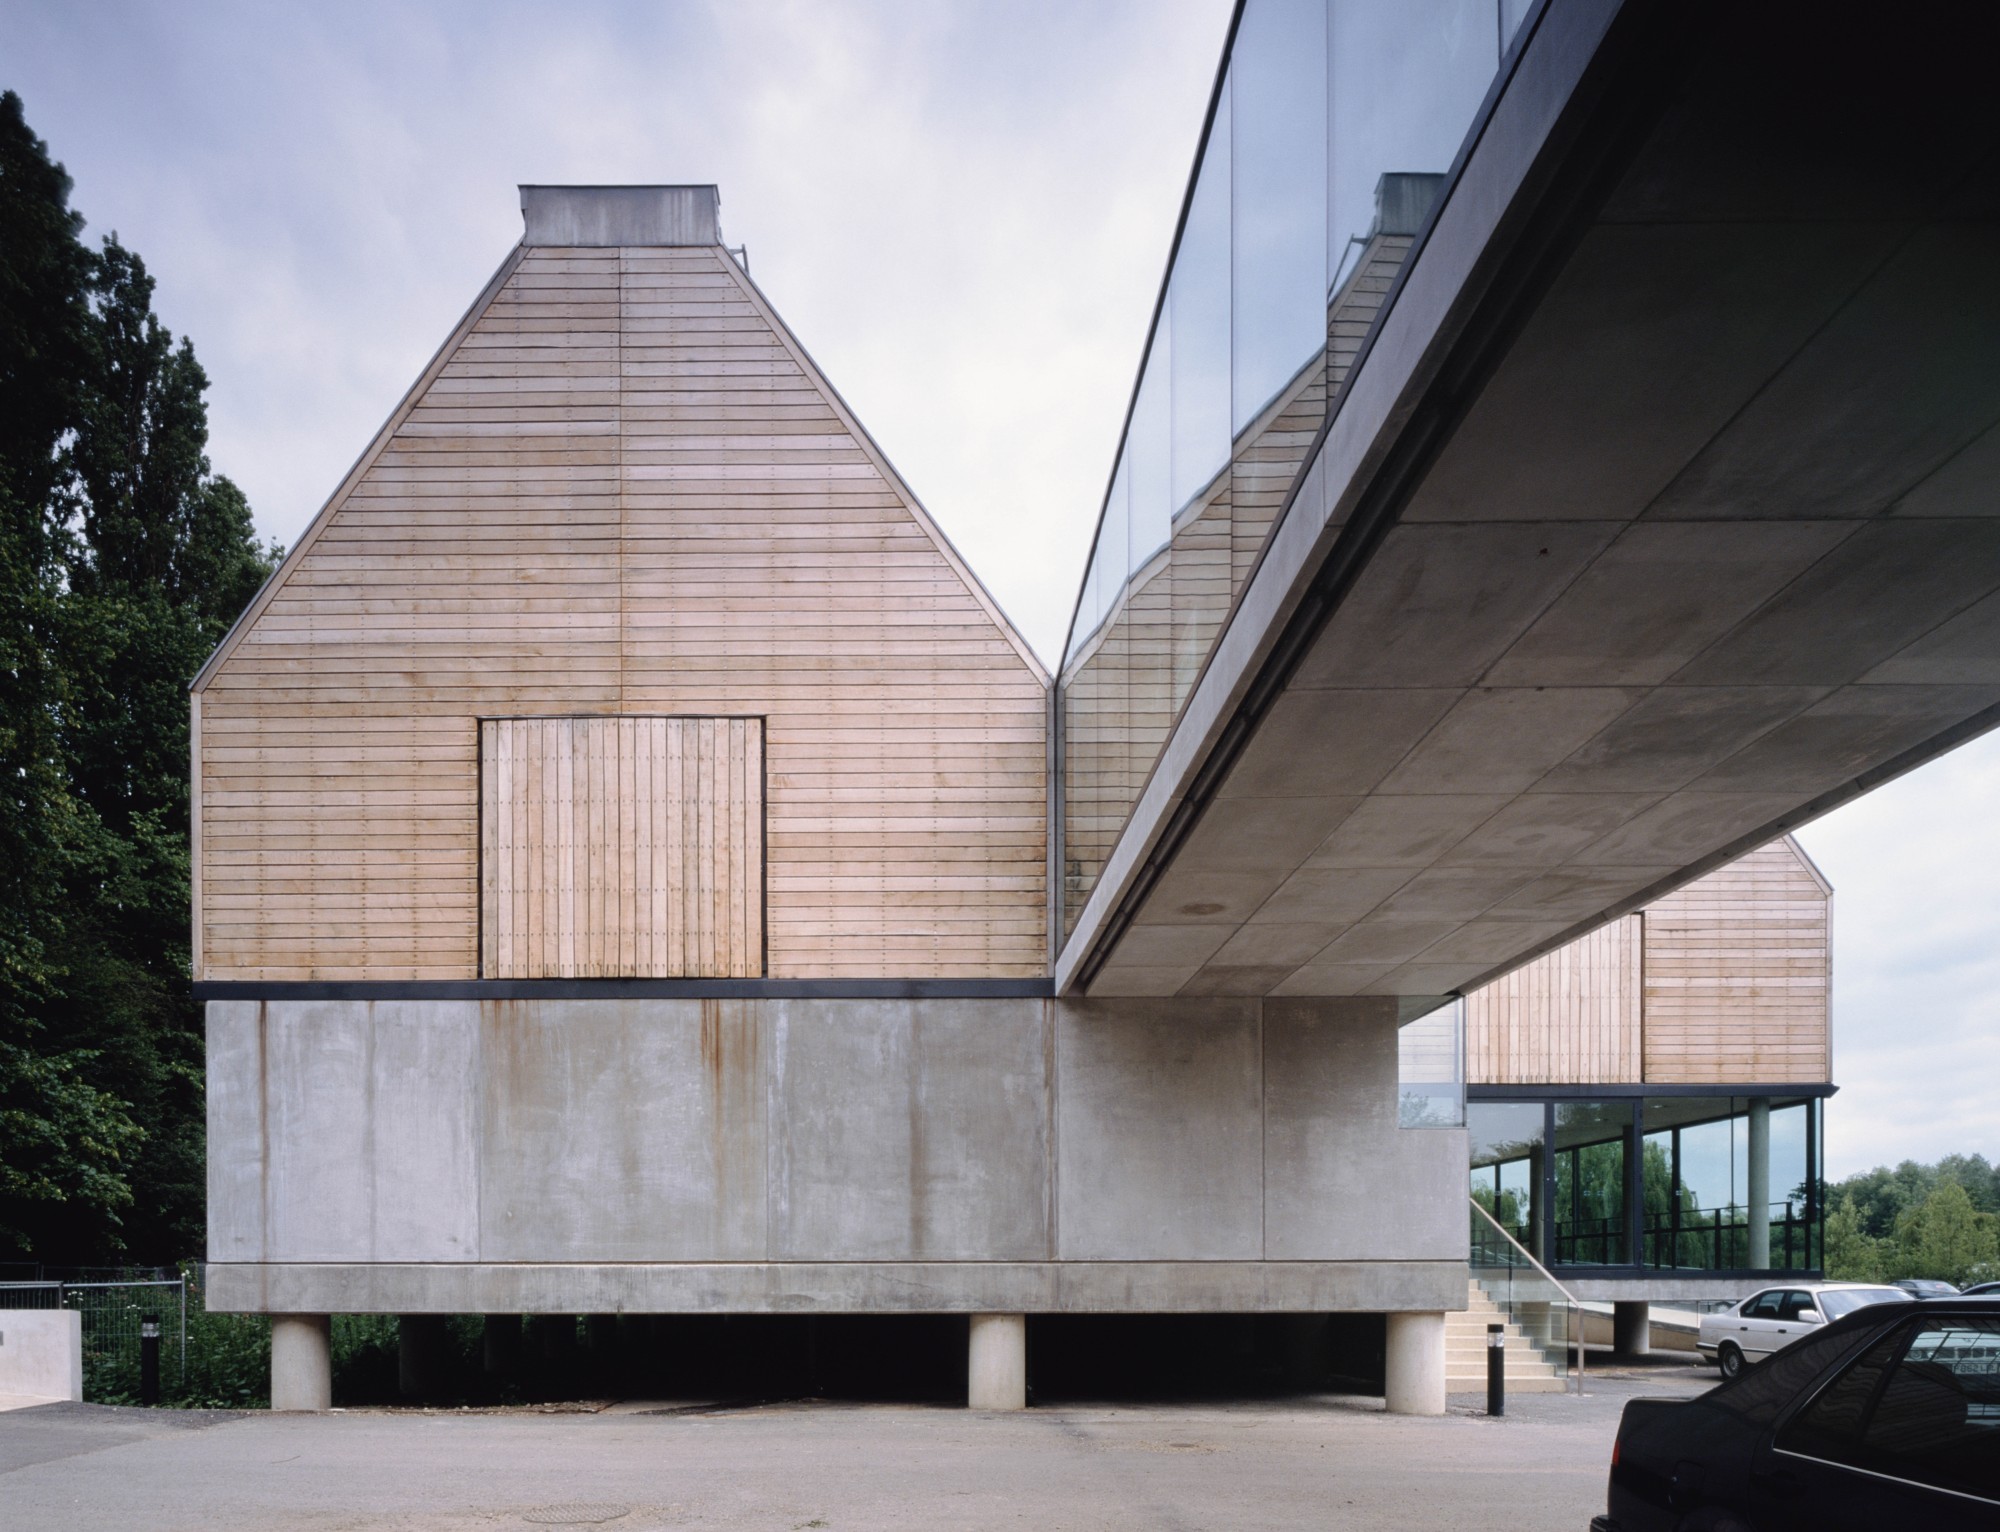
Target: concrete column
1632, 1328
997, 1362
1760, 1183
1414, 1365
301, 1362
422, 1342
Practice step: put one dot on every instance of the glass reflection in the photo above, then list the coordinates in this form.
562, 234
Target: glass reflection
1589, 1200
1332, 131
1507, 1148
1198, 298
1703, 1161
1430, 1069
1278, 223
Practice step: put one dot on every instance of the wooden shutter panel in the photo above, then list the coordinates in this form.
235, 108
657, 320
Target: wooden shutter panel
621, 848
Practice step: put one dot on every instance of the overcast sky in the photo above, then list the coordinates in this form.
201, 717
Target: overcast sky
962, 207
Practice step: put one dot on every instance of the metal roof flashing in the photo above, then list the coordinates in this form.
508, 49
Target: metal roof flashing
611, 216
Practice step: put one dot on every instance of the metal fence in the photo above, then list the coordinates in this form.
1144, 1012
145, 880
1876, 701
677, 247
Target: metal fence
112, 1311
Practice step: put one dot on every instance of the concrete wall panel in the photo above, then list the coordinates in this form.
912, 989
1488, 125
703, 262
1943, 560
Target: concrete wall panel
841, 1110
235, 1130
1344, 1183
909, 1130
951, 1155
623, 1130
423, 1130
1160, 1146
320, 1171
984, 1098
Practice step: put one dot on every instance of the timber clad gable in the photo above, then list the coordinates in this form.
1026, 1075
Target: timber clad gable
1727, 980
623, 491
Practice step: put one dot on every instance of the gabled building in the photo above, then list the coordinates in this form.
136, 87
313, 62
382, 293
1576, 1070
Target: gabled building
1645, 1105
638, 869
622, 847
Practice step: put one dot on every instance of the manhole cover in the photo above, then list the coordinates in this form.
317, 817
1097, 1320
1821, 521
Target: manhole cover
575, 1515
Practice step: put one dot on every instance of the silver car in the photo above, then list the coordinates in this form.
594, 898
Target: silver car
1771, 1319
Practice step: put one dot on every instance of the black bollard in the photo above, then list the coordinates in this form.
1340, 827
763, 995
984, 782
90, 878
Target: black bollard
1496, 1369
149, 1359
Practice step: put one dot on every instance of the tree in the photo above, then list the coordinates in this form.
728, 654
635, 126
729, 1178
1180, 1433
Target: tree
1946, 1237
1851, 1255
123, 559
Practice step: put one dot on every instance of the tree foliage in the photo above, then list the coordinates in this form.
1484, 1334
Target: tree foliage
1939, 1221
123, 560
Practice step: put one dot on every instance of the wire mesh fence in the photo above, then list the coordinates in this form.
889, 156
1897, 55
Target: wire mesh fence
114, 1305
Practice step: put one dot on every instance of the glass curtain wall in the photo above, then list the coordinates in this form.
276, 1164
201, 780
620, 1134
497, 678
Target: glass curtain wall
1731, 1183
1332, 130
1719, 1183
1588, 1205
1509, 1160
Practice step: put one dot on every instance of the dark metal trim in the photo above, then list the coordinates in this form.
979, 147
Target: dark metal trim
626, 989
1532, 1093
1688, 1274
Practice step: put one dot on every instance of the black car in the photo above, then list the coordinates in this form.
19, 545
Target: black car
1926, 1287
1885, 1419
1979, 1288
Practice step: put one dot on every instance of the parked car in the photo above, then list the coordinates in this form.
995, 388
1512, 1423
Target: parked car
1885, 1418
1770, 1320
1979, 1288
1925, 1287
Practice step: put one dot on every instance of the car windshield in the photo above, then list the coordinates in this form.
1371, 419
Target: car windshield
1848, 1299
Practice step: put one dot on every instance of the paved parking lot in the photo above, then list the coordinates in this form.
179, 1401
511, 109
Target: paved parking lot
1321, 1462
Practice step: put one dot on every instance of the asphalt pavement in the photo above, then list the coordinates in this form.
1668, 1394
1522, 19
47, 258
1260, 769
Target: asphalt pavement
1333, 1461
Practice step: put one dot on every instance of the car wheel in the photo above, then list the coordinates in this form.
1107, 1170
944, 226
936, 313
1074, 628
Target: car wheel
1730, 1360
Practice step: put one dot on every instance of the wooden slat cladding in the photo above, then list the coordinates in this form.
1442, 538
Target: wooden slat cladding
621, 848
1572, 1016
1725, 981
625, 491
1738, 970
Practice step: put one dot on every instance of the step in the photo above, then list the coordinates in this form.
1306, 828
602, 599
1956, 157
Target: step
1455, 1384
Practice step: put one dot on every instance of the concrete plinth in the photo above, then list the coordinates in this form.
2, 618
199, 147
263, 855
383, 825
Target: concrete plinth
41, 1355
1632, 1329
1414, 1365
997, 1362
301, 1362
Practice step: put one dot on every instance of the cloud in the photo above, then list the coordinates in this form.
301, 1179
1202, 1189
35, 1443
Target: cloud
1915, 867
963, 209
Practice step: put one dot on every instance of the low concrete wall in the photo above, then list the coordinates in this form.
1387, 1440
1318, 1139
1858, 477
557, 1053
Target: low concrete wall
41, 1353
1007, 1155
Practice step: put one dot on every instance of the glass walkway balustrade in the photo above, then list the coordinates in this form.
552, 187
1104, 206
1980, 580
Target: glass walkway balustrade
1331, 134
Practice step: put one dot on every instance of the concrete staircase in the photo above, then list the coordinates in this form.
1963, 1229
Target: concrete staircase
1528, 1370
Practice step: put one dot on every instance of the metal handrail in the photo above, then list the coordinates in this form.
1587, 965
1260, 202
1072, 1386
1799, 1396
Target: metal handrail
1501, 1229
1570, 1299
